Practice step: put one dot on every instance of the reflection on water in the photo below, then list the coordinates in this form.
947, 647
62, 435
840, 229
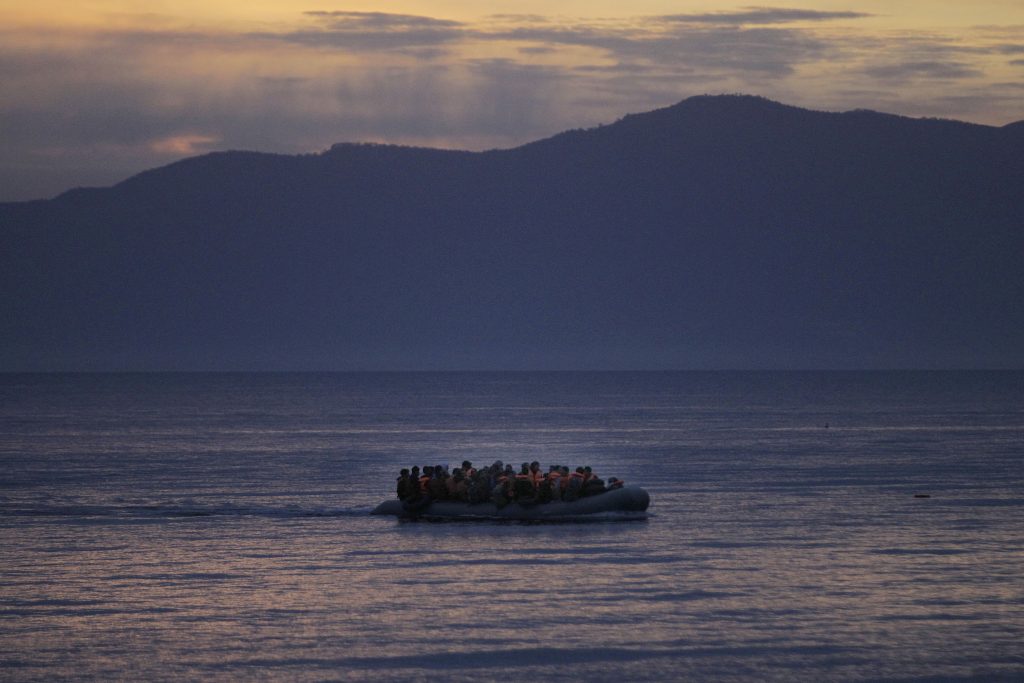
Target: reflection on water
206, 527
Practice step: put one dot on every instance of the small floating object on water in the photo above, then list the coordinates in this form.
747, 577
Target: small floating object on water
628, 501
922, 495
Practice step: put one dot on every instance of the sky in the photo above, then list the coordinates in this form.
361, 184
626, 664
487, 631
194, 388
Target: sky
93, 91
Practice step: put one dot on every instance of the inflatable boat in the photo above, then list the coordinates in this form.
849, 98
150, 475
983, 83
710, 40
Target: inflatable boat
628, 502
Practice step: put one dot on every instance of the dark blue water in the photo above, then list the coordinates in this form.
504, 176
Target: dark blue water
216, 527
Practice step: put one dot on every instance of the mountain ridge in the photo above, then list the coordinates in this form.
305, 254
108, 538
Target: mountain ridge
737, 104
722, 232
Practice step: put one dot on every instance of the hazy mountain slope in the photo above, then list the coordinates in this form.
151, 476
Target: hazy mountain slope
722, 231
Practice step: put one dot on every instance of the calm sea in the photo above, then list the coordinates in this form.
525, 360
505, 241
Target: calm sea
216, 527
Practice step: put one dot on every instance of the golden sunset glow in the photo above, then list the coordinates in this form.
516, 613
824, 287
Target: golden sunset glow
103, 89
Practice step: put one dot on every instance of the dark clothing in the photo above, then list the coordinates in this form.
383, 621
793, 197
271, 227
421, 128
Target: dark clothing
437, 488
545, 492
479, 491
593, 486
407, 488
574, 489
523, 490
499, 494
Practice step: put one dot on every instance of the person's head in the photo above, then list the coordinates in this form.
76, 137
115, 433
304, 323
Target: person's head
467, 465
579, 470
404, 472
415, 470
525, 469
428, 470
534, 466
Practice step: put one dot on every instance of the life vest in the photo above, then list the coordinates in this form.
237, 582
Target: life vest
424, 482
536, 477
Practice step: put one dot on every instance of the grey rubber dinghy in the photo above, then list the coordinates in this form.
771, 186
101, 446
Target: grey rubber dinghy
627, 502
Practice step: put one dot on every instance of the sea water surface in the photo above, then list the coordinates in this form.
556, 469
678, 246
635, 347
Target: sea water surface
217, 527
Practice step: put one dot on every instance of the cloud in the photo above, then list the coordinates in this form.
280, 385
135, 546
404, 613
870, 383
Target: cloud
903, 71
537, 50
762, 51
123, 100
371, 31
519, 18
724, 44
380, 21
185, 144
761, 15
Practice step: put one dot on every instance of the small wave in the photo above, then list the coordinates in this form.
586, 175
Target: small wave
171, 510
593, 517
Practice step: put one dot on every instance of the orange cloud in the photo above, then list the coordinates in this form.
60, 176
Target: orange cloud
187, 144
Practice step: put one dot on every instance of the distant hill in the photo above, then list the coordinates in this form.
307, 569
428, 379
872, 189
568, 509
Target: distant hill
722, 232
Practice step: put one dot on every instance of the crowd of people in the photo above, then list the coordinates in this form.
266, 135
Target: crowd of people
500, 484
